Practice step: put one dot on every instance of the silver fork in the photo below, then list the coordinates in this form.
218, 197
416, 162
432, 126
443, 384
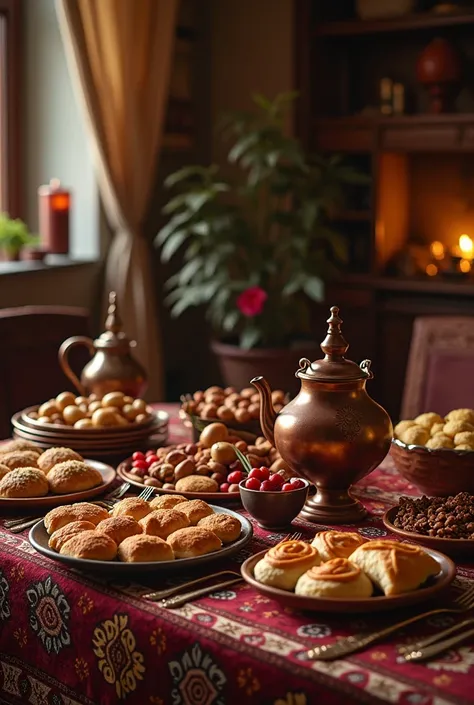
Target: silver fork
107, 504
426, 652
351, 644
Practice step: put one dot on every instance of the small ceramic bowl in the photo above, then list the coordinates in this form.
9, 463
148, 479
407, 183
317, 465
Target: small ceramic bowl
273, 510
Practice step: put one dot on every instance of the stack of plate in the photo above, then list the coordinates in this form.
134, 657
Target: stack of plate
117, 441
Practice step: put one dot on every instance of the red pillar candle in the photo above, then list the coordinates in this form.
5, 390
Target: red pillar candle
54, 204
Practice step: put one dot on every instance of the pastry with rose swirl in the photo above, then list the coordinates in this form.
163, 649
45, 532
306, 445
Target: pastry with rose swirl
337, 544
337, 578
284, 563
393, 566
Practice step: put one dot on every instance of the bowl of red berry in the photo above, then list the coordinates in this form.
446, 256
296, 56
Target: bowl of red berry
271, 499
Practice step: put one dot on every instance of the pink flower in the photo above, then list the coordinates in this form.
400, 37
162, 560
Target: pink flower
250, 302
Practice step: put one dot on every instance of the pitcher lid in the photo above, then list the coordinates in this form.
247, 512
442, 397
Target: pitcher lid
333, 367
114, 335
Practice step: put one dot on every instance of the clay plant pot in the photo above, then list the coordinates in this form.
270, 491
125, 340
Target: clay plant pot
438, 69
279, 365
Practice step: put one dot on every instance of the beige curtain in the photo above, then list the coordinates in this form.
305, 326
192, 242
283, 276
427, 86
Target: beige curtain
119, 53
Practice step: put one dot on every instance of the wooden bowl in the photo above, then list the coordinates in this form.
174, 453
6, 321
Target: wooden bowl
274, 510
438, 473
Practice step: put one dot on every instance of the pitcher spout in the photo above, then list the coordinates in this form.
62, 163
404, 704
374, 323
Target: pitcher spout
267, 412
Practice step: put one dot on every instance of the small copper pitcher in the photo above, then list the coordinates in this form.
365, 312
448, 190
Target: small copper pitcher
112, 367
332, 432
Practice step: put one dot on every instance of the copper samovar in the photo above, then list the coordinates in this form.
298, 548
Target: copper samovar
332, 432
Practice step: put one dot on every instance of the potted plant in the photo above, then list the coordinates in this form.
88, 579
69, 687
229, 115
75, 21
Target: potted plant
259, 250
14, 236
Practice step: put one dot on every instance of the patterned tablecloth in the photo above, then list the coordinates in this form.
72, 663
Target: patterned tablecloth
66, 638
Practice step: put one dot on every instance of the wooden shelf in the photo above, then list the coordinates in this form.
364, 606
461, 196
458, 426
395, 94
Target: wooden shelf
425, 20
423, 285
404, 133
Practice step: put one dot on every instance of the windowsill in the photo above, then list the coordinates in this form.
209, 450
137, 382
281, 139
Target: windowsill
50, 262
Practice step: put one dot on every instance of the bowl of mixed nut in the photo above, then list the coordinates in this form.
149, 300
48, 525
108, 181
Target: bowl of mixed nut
443, 523
436, 453
238, 410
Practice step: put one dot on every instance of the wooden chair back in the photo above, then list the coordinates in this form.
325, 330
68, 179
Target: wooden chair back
29, 369
440, 371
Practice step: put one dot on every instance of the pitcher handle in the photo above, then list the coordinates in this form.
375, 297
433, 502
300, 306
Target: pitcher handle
365, 367
63, 355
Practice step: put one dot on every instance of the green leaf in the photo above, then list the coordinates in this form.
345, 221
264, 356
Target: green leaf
245, 462
293, 285
249, 337
230, 321
189, 172
314, 288
189, 270
172, 225
241, 146
173, 244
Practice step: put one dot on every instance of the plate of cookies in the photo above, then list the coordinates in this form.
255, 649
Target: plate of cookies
31, 477
136, 536
343, 572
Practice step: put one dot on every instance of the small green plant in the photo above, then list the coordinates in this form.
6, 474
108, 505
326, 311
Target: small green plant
14, 235
258, 250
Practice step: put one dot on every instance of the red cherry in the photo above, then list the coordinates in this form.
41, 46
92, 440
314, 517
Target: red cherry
140, 464
149, 452
288, 487
266, 486
224, 487
235, 477
253, 483
264, 472
138, 456
255, 472
297, 483
276, 480
150, 459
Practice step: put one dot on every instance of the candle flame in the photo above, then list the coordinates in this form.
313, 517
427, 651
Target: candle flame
437, 249
466, 245
465, 266
431, 270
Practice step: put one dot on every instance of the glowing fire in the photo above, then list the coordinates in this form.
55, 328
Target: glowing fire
466, 245
437, 249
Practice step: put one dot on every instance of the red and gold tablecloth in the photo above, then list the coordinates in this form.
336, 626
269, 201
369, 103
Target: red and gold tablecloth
67, 639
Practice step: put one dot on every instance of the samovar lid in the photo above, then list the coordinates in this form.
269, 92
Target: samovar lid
334, 367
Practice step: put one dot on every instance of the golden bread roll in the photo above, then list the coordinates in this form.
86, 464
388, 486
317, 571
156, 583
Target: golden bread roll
20, 459
440, 440
415, 435
163, 522
338, 578
73, 476
53, 456
91, 546
452, 428
119, 528
437, 428
464, 446
401, 427
193, 541
285, 563
24, 482
427, 420
4, 469
393, 566
134, 507
19, 444
336, 544
60, 536
143, 548
197, 483
167, 501
82, 511
195, 510
466, 415
463, 438
224, 526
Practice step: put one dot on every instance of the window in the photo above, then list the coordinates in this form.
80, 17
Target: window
10, 68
